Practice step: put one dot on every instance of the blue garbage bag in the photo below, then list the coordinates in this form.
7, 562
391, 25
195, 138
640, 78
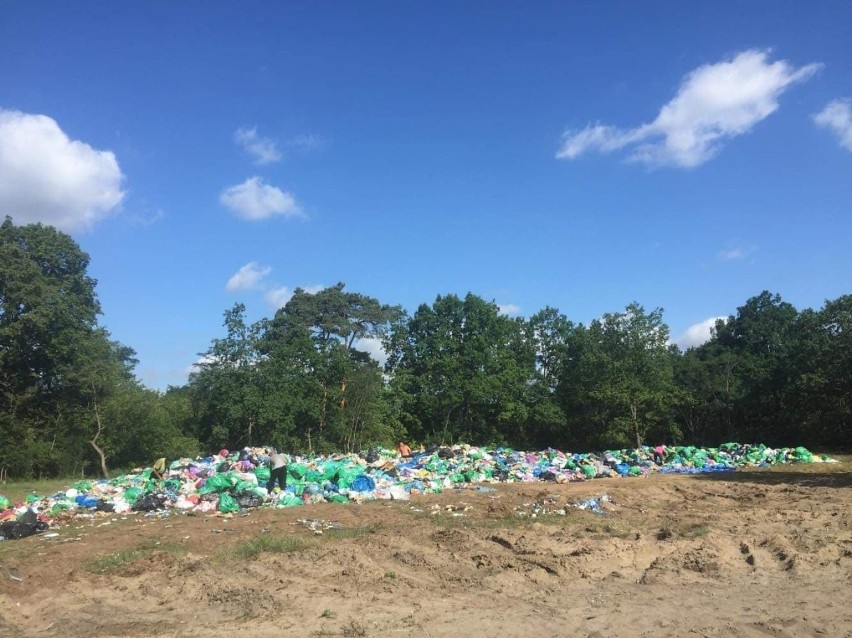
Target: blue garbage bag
363, 484
84, 500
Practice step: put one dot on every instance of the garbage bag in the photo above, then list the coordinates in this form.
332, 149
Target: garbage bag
103, 506
247, 500
28, 518
228, 503
372, 455
17, 530
216, 483
150, 503
262, 474
363, 484
132, 495
446, 453
84, 500
4, 503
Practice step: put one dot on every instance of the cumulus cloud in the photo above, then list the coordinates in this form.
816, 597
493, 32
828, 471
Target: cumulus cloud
248, 277
254, 200
278, 297
698, 333
47, 177
837, 118
715, 102
508, 309
374, 348
263, 150
735, 253
199, 364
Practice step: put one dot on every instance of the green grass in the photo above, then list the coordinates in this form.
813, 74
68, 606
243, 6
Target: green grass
350, 532
266, 544
116, 560
17, 491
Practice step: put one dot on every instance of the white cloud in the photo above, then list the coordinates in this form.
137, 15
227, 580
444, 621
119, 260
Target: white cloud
278, 297
728, 255
254, 200
374, 348
698, 333
264, 150
715, 102
837, 118
508, 309
736, 253
306, 143
248, 277
199, 363
47, 177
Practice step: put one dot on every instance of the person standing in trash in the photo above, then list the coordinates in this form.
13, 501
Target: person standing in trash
659, 454
159, 468
403, 449
278, 471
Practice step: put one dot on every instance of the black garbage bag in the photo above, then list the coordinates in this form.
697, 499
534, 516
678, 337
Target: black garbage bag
27, 525
16, 530
103, 506
150, 503
446, 453
500, 474
547, 476
249, 500
372, 455
28, 518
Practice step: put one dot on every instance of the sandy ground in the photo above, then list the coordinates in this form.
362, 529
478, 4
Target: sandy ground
763, 553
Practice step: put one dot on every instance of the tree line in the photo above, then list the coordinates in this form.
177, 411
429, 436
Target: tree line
457, 370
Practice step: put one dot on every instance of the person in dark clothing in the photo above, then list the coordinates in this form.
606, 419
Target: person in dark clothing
278, 472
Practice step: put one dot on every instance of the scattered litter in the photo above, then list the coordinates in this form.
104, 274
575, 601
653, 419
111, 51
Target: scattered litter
14, 574
318, 526
232, 484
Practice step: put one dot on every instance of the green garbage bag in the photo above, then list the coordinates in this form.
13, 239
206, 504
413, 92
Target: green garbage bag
217, 483
289, 500
329, 471
457, 478
83, 486
228, 503
347, 475
132, 495
338, 498
634, 471
589, 471
59, 507
4, 503
245, 486
296, 471
172, 484
262, 474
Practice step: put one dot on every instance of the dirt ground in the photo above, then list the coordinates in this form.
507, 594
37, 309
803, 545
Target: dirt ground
761, 553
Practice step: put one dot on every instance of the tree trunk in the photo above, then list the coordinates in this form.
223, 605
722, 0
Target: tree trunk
634, 415
94, 441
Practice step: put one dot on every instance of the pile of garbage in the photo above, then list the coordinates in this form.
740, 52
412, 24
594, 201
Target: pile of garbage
230, 482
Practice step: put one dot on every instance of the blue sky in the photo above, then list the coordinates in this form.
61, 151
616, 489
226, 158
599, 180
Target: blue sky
578, 155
